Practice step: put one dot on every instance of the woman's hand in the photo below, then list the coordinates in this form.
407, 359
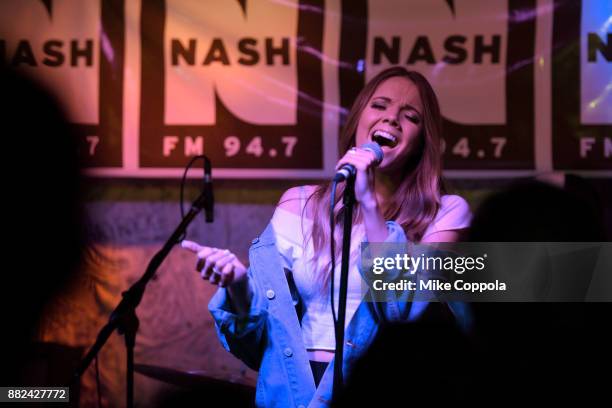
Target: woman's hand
365, 193
218, 266
363, 160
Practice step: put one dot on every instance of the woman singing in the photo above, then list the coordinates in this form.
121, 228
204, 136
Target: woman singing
275, 315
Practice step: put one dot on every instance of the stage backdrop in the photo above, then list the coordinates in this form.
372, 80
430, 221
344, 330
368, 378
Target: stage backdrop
262, 87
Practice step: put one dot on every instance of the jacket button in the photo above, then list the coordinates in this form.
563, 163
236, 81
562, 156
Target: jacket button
270, 294
256, 240
288, 352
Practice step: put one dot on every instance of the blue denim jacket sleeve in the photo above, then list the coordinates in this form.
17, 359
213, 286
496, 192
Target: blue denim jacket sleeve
241, 334
268, 337
396, 308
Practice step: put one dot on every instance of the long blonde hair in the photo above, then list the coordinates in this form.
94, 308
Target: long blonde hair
417, 199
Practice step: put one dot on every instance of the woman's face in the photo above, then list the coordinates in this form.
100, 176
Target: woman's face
393, 118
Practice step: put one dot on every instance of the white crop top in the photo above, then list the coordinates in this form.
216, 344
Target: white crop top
317, 322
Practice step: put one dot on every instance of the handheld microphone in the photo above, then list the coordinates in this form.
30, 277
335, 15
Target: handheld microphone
348, 170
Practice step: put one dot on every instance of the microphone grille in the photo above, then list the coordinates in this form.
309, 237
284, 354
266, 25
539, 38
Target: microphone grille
376, 149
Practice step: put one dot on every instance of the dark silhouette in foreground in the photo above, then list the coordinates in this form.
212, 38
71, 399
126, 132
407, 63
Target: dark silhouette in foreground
516, 353
43, 228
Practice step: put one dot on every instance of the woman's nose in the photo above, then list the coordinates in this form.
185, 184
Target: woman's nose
392, 120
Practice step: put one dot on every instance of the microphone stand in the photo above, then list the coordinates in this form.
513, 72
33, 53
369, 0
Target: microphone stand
124, 318
348, 200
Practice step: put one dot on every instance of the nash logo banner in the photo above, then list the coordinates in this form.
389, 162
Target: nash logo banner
582, 85
262, 87
478, 55
226, 79
76, 49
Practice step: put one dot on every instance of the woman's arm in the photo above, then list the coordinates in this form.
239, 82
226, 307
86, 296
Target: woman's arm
364, 162
375, 225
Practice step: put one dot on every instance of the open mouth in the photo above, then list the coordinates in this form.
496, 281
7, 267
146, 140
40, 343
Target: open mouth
384, 139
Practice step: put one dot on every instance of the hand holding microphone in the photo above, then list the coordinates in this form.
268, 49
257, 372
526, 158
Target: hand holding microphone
361, 162
348, 169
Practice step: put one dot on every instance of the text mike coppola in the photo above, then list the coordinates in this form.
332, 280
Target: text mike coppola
348, 170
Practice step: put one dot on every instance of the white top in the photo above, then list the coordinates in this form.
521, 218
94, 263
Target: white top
317, 322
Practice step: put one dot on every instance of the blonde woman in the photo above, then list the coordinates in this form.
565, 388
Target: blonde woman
275, 315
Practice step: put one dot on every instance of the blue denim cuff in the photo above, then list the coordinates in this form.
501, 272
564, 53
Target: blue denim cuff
396, 233
228, 321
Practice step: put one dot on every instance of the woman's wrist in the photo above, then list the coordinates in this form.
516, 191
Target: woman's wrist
374, 221
369, 204
240, 295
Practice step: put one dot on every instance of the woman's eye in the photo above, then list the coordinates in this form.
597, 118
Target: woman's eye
378, 106
413, 118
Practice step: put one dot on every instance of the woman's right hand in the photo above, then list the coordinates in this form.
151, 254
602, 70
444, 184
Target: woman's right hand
218, 266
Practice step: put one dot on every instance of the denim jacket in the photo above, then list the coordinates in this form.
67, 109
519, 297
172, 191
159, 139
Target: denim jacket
269, 338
